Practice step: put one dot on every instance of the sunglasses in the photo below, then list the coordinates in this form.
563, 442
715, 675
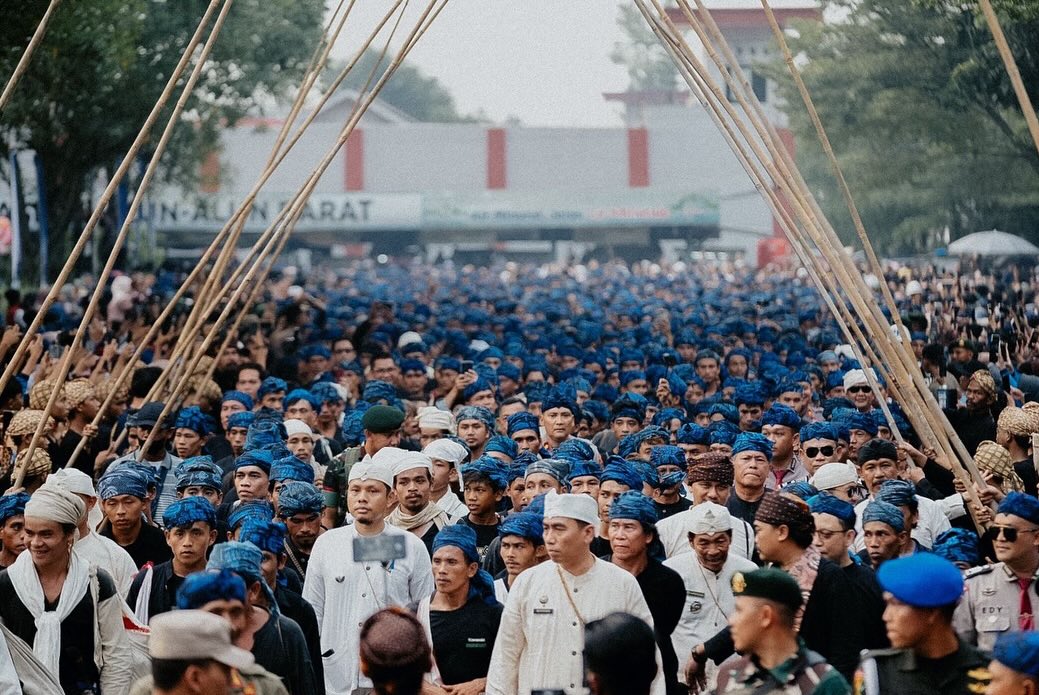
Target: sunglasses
1009, 533
813, 451
858, 389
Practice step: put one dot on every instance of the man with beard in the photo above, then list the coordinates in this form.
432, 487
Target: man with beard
974, 423
157, 456
412, 473
751, 457
299, 506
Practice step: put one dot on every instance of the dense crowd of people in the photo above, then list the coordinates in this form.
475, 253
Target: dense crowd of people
630, 478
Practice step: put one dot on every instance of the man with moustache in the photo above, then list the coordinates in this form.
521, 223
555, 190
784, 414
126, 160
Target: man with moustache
751, 457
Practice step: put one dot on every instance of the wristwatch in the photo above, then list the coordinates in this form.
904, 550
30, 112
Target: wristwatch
699, 654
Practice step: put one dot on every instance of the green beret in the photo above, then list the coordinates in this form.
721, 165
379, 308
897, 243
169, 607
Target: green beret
382, 419
770, 584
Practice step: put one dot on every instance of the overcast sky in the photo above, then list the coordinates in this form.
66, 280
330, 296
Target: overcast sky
543, 61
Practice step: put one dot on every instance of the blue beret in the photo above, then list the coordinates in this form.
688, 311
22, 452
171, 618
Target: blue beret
200, 588
291, 468
272, 384
958, 545
194, 419
574, 449
478, 413
922, 580
634, 505
667, 455
752, 441
242, 419
779, 414
296, 395
187, 510
298, 497
557, 468
486, 468
253, 509
885, 513
261, 458
501, 444
12, 505
122, 481
1018, 651
1020, 504
899, 493
691, 433
525, 524
622, 473
265, 535
819, 430
825, 503
243, 398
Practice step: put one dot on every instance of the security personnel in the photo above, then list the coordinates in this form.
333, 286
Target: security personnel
1015, 664
1001, 598
926, 657
775, 659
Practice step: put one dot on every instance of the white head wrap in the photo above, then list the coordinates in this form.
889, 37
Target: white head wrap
54, 503
297, 427
708, 517
434, 418
579, 507
446, 450
73, 480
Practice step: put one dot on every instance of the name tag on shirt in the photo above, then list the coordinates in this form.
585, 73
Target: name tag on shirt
475, 643
543, 611
695, 594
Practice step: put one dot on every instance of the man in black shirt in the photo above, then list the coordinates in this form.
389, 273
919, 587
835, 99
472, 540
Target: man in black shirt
751, 462
124, 499
299, 506
485, 483
670, 464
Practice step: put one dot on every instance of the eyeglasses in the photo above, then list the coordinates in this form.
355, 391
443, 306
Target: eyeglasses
813, 451
858, 389
1009, 533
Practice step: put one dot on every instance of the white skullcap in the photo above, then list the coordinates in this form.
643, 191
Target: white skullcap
844, 350
408, 337
913, 288
400, 460
446, 450
854, 378
372, 470
831, 475
579, 507
297, 427
478, 345
73, 480
434, 418
55, 503
708, 517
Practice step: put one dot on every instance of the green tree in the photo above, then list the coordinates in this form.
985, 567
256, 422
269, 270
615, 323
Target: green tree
922, 116
101, 68
648, 64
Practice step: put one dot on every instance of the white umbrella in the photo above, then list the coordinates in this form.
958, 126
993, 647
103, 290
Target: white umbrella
992, 243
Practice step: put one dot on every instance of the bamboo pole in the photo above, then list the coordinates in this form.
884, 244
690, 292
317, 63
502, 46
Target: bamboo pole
1011, 65
23, 62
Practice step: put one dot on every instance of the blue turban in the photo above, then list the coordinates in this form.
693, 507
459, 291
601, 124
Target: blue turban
779, 414
537, 505
314, 350
243, 398
464, 538
1018, 651
835, 380
503, 445
263, 432
517, 471
749, 394
243, 559
272, 384
632, 375
958, 545
481, 384
448, 363
861, 421
692, 433
666, 415
353, 427
525, 524
899, 493
195, 420
265, 535
291, 468
562, 396
1020, 504
253, 509
557, 468
583, 469
243, 419
485, 468
200, 588
622, 473
825, 503
667, 455
122, 481
187, 510
12, 505
375, 391
261, 458
199, 476
885, 513
801, 489
325, 392
752, 441
628, 445
478, 413
296, 395
634, 505
819, 430
629, 405
509, 371
412, 365
726, 410
518, 422
574, 449
299, 497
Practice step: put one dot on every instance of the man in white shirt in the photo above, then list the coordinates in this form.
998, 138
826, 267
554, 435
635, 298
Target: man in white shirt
344, 592
541, 636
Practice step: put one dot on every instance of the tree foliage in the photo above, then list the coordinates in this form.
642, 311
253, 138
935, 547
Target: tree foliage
922, 116
648, 64
102, 66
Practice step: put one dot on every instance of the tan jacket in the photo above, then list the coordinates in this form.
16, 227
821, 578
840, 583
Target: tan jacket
254, 681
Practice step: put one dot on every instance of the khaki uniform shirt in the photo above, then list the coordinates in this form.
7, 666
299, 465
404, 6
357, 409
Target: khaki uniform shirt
991, 605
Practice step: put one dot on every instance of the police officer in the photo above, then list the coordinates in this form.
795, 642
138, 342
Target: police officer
1015, 664
774, 658
1002, 597
926, 657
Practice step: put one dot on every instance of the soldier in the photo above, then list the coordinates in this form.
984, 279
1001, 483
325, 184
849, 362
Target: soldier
1015, 665
926, 657
1002, 597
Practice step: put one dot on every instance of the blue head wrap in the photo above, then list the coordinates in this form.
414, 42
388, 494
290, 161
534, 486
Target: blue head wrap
353, 427
667, 455
666, 415
727, 411
518, 422
325, 392
861, 421
412, 365
261, 458
265, 535
501, 444
299, 498
629, 405
574, 449
958, 545
375, 391
464, 538
517, 471
752, 441
692, 433
315, 350
188, 510
622, 473
195, 420
263, 432
122, 481
478, 413
885, 513
296, 395
801, 489
825, 503
562, 396
632, 375
582, 469
1020, 504
634, 505
200, 477
525, 524
243, 559
557, 468
12, 505
253, 509
481, 384
272, 384
819, 430
779, 414
1018, 651
749, 394
243, 398
486, 468
199, 588
242, 419
291, 468
899, 493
